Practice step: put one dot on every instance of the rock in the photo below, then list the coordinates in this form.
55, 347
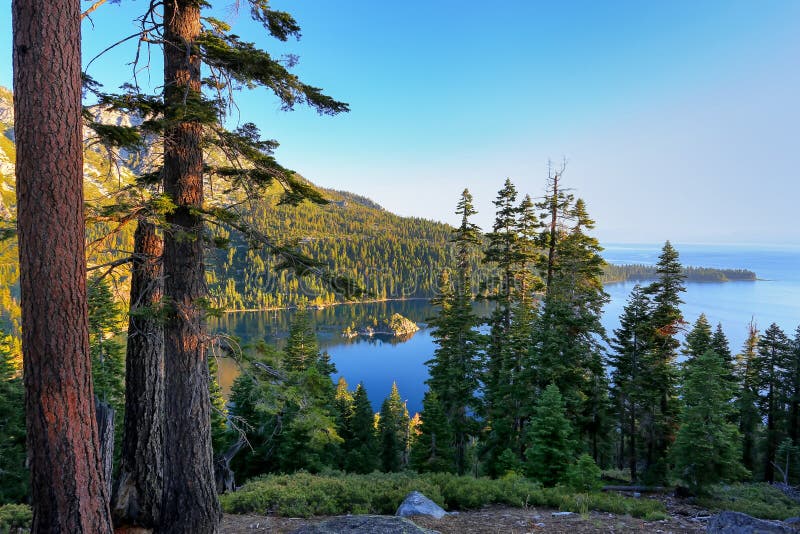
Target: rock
738, 523
561, 514
794, 521
395, 326
364, 524
416, 503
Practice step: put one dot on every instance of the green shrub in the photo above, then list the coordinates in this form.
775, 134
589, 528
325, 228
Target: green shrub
759, 500
304, 495
583, 475
15, 517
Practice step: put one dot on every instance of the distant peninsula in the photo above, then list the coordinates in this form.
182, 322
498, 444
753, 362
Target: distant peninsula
645, 273
394, 326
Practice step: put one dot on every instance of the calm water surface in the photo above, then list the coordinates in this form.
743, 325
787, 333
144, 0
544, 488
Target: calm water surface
379, 362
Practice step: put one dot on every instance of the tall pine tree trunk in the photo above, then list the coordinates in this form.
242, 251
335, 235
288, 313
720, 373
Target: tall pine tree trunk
190, 501
138, 493
68, 492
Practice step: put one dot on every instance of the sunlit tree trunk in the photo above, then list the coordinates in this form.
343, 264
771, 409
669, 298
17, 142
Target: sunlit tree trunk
190, 501
68, 490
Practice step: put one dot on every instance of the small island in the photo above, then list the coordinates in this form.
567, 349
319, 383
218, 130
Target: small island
394, 326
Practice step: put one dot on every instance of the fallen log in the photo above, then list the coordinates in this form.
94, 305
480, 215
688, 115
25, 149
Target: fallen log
638, 489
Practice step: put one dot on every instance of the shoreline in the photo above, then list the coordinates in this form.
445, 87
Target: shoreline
323, 306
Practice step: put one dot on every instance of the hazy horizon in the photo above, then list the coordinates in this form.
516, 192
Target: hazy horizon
678, 120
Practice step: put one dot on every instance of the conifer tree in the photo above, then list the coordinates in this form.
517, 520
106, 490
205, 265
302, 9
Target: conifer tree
550, 444
772, 363
707, 448
432, 451
631, 344
302, 349
793, 383
661, 377
456, 361
361, 447
13, 471
748, 415
108, 360
699, 339
720, 345
511, 247
68, 490
393, 431
137, 493
566, 349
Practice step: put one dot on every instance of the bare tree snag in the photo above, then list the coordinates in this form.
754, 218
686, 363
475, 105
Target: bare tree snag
68, 491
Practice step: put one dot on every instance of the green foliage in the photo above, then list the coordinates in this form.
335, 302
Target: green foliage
108, 356
550, 446
646, 273
661, 376
15, 518
13, 471
304, 495
707, 447
393, 432
583, 475
361, 444
433, 449
287, 413
758, 500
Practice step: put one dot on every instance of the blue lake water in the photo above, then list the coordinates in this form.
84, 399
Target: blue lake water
377, 363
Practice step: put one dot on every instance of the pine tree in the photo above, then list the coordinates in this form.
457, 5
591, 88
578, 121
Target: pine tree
137, 494
393, 432
302, 349
455, 364
720, 345
747, 410
699, 339
661, 377
511, 247
631, 345
13, 471
108, 360
432, 450
707, 447
793, 383
566, 348
361, 447
772, 362
68, 490
550, 444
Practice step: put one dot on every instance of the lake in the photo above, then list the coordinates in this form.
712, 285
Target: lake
379, 362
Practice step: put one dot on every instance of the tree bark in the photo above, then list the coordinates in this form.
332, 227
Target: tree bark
68, 490
104, 414
190, 501
138, 492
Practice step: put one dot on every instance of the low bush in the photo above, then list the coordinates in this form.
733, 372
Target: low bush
15, 518
758, 500
304, 495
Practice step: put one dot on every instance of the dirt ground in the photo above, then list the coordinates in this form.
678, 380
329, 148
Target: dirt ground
502, 520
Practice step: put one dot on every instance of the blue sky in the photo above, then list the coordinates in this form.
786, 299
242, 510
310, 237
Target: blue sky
679, 119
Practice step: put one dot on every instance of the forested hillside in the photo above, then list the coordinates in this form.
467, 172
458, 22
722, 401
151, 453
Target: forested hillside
388, 255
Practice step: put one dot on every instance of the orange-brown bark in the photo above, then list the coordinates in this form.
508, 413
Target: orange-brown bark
67, 486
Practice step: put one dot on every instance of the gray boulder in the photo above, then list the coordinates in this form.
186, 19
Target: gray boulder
738, 523
364, 524
416, 503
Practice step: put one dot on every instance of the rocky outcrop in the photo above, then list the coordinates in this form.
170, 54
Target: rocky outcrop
395, 326
416, 503
365, 524
738, 523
